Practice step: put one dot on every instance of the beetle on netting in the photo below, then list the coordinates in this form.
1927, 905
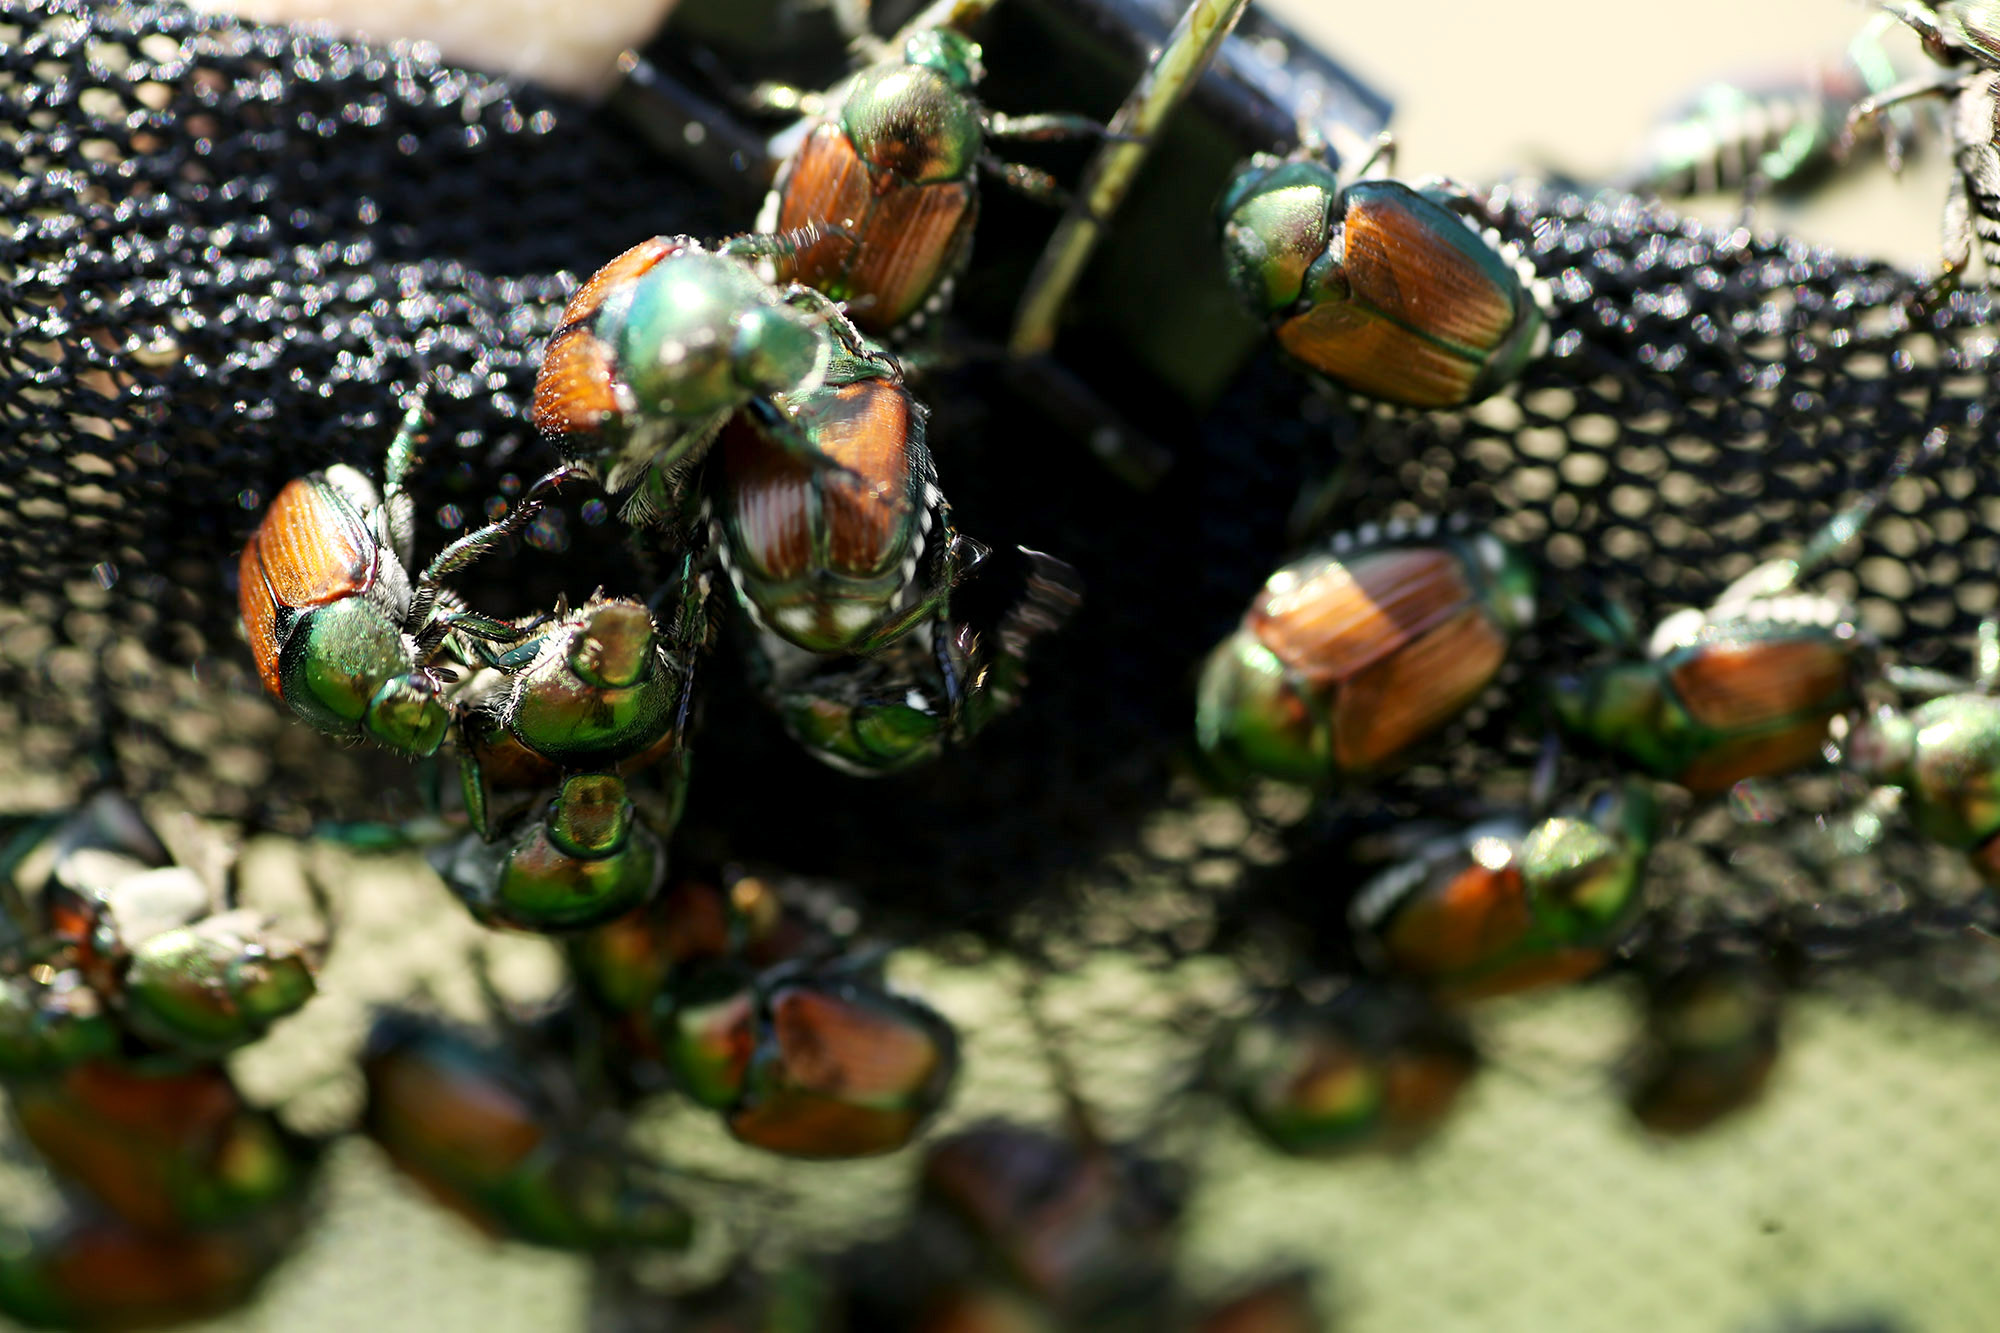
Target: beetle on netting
1398, 293
341, 629
1347, 657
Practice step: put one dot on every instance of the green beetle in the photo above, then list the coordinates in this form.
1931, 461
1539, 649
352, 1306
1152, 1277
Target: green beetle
340, 629
812, 1061
133, 944
1748, 688
849, 550
483, 1135
602, 687
162, 1149
1084, 1227
585, 856
1710, 1041
1501, 907
1944, 755
934, 688
1393, 292
1377, 1068
891, 175
669, 340
95, 1274
1348, 656
1739, 691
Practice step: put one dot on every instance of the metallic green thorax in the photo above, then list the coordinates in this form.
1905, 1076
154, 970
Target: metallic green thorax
347, 665
1583, 873
1946, 755
1277, 219
917, 118
702, 333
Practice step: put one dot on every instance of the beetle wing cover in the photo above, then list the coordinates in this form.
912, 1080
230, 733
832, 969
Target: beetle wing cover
769, 510
805, 1124
863, 1052
1375, 356
575, 389
916, 239
1381, 709
447, 1118
1344, 615
867, 428
314, 546
1736, 684
826, 182
628, 267
1446, 929
1418, 264
260, 615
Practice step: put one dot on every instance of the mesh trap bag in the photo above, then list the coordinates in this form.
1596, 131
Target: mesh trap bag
231, 251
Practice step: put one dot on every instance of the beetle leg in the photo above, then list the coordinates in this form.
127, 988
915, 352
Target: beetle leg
481, 540
1047, 127
769, 98
1033, 182
1381, 155
782, 250
1935, 83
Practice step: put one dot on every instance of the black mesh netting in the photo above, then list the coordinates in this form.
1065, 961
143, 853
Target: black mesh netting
229, 250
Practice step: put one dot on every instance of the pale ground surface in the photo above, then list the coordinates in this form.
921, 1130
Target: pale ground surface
1864, 1185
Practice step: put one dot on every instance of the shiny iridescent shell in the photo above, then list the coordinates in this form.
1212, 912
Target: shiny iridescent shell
1349, 656
1384, 289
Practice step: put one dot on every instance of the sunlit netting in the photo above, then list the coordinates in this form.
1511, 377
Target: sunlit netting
231, 251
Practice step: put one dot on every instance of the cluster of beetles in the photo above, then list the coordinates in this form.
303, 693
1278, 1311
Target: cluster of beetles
747, 406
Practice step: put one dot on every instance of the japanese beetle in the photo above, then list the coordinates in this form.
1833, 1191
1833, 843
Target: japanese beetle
666, 342
1500, 907
1945, 757
342, 632
1349, 655
167, 958
1390, 291
828, 557
1710, 1041
93, 1273
891, 174
162, 1150
931, 689
814, 1063
1746, 689
585, 856
1374, 1069
1781, 132
1085, 1228
602, 687
479, 1132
